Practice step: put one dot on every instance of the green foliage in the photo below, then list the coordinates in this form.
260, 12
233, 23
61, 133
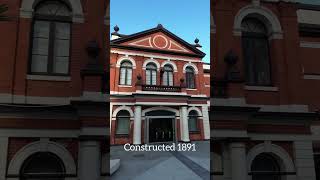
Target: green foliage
3, 9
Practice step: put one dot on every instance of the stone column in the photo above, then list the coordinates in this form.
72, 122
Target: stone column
89, 160
184, 122
3, 154
238, 161
137, 125
304, 160
206, 124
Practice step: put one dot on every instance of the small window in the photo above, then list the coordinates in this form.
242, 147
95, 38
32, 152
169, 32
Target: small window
123, 122
255, 47
167, 77
125, 73
51, 39
151, 74
193, 121
190, 78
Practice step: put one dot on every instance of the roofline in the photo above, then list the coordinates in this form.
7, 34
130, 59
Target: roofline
158, 28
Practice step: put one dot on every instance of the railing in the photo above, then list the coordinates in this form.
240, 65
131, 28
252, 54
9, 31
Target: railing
161, 88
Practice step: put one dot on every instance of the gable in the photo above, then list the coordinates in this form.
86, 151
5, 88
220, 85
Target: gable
158, 41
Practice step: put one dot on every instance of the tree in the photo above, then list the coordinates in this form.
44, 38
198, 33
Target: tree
3, 9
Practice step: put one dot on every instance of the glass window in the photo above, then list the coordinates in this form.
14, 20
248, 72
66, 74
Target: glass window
151, 74
123, 122
125, 73
255, 47
167, 77
193, 121
190, 78
51, 39
265, 167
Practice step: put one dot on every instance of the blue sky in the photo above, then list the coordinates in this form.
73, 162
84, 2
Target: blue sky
187, 19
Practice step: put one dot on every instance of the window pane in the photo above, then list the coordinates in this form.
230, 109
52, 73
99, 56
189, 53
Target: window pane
61, 65
170, 79
148, 77
40, 46
129, 76
165, 78
193, 124
61, 47
39, 63
122, 125
41, 29
154, 77
122, 76
62, 31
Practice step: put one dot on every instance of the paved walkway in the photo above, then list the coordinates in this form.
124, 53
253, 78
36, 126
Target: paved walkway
163, 165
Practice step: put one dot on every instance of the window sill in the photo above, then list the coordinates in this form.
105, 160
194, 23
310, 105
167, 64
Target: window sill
191, 89
261, 88
122, 136
48, 78
194, 132
124, 85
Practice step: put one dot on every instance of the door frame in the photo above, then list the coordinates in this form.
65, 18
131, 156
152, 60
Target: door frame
147, 125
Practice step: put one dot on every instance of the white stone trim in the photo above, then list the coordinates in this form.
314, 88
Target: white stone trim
264, 14
26, 10
261, 88
155, 56
125, 86
311, 77
48, 78
126, 108
228, 133
195, 68
305, 44
278, 152
146, 62
161, 36
126, 58
174, 66
195, 109
308, 16
42, 146
160, 108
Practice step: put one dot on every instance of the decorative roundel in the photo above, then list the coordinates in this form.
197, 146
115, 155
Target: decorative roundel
160, 41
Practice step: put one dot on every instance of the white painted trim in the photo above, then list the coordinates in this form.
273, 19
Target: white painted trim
26, 10
195, 109
305, 44
125, 86
195, 68
182, 49
42, 146
174, 66
135, 43
311, 77
263, 14
161, 103
146, 62
126, 108
155, 56
261, 88
188, 89
48, 78
126, 58
163, 37
161, 93
160, 108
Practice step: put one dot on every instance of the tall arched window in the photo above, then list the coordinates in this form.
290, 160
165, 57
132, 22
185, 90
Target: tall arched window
190, 78
123, 122
265, 167
151, 74
193, 121
43, 165
167, 77
51, 38
125, 73
255, 47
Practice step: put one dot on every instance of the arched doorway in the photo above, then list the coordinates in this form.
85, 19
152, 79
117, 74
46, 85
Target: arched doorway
44, 166
160, 126
265, 167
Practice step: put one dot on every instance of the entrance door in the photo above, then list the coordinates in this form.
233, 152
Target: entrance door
161, 130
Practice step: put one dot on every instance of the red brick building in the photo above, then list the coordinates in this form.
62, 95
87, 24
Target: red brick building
266, 83
53, 89
159, 88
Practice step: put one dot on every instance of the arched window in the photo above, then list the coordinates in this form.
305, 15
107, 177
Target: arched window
42, 165
255, 47
265, 167
190, 78
125, 73
51, 39
123, 122
193, 121
151, 74
167, 77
